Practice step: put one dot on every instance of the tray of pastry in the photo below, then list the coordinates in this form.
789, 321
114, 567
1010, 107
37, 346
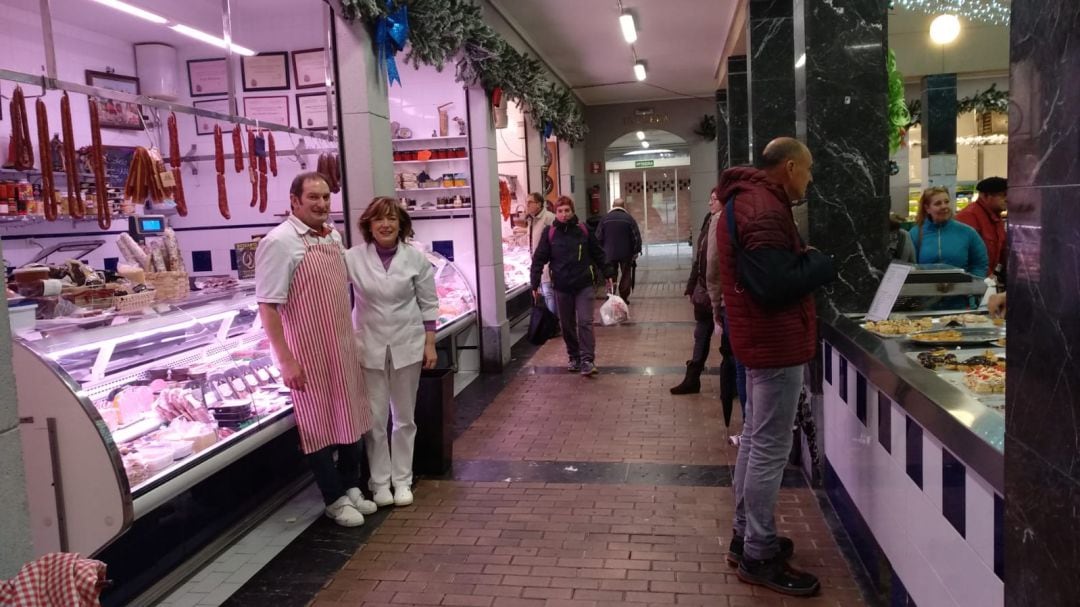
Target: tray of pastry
898, 327
957, 336
979, 372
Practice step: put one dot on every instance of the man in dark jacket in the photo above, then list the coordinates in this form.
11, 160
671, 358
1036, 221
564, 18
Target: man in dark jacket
619, 234
773, 340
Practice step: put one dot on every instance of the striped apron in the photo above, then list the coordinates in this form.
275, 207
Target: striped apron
333, 408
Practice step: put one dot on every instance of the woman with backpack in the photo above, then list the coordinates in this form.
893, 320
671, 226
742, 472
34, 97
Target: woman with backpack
574, 258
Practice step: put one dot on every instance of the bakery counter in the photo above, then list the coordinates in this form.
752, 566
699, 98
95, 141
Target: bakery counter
913, 461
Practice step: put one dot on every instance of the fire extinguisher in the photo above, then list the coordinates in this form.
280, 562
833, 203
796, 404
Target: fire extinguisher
594, 200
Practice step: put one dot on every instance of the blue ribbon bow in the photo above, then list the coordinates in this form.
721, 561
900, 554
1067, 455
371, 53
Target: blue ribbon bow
548, 128
391, 34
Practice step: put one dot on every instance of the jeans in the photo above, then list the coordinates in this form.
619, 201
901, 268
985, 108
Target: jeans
763, 452
576, 318
548, 291
334, 479
391, 389
626, 272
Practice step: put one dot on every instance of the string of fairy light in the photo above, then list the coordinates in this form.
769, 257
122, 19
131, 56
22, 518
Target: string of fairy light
988, 11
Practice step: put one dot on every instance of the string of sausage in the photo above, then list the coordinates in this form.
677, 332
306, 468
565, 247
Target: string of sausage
48, 183
22, 148
175, 162
219, 164
253, 170
262, 184
272, 152
238, 150
71, 165
97, 163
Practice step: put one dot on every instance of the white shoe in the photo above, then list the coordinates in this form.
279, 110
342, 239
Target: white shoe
362, 505
383, 498
402, 496
344, 513
734, 439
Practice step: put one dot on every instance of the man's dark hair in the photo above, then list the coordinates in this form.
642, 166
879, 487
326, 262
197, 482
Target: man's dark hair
780, 150
297, 187
537, 198
992, 185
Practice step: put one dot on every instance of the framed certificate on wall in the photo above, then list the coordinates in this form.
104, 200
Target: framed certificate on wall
267, 109
207, 77
204, 125
309, 68
311, 111
265, 72
117, 114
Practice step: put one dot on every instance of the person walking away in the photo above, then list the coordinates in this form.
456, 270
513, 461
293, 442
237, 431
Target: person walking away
621, 238
538, 221
774, 342
301, 286
984, 215
697, 291
575, 258
900, 246
394, 318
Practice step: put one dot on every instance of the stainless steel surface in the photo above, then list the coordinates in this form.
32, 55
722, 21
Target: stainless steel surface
968, 336
58, 483
47, 38
966, 427
230, 71
943, 289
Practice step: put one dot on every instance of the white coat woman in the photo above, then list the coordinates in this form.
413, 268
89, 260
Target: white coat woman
394, 319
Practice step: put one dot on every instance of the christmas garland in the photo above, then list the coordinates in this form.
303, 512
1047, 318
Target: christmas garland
898, 111
442, 30
989, 101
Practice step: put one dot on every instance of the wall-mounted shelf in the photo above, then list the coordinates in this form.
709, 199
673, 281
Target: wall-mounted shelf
430, 160
450, 189
462, 212
422, 139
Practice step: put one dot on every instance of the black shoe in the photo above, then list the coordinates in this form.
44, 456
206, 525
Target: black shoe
691, 384
777, 575
735, 549
573, 366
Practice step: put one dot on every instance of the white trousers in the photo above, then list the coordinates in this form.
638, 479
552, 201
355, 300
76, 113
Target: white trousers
391, 389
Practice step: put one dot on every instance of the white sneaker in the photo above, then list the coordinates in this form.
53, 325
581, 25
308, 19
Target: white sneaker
734, 439
383, 498
362, 505
344, 513
402, 496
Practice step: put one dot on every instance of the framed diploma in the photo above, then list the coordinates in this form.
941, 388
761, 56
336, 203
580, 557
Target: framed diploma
265, 72
267, 109
311, 111
207, 77
116, 114
309, 68
204, 125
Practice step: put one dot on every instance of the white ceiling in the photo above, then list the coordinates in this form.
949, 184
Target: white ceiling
682, 42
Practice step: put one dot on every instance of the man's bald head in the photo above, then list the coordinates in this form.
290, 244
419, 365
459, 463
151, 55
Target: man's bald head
618, 203
787, 162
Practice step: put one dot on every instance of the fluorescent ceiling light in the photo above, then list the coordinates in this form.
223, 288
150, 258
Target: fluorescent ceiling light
944, 29
641, 135
134, 10
801, 61
629, 31
645, 144
209, 39
640, 152
639, 70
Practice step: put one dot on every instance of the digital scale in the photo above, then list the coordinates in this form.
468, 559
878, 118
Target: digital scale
141, 226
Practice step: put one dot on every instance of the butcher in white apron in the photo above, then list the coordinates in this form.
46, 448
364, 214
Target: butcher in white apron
302, 287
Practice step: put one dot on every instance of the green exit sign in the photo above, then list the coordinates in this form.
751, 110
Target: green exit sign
641, 164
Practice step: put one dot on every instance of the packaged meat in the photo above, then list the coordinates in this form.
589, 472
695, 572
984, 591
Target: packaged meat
156, 458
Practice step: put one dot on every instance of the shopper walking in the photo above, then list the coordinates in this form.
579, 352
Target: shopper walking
697, 291
774, 341
575, 259
941, 239
394, 317
984, 216
301, 286
539, 219
621, 238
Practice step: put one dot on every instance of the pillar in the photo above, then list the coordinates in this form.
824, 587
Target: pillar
842, 103
939, 132
723, 155
1042, 416
770, 72
738, 112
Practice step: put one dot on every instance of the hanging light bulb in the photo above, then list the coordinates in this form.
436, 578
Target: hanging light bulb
641, 135
639, 70
944, 29
645, 144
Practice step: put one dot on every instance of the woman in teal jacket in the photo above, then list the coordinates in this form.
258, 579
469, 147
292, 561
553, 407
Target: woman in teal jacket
939, 238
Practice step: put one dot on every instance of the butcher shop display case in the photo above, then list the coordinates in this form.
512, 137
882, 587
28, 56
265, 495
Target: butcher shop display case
457, 303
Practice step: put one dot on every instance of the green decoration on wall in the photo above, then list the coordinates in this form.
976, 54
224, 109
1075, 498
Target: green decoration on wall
898, 111
989, 101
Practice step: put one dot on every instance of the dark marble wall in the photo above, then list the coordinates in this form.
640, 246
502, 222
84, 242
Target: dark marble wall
1042, 422
723, 159
738, 112
842, 96
771, 72
939, 115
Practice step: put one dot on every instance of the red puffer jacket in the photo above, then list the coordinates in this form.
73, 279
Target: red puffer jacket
761, 338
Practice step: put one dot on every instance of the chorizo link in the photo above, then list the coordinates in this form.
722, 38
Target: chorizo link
23, 150
253, 171
219, 150
178, 193
272, 151
97, 163
71, 165
238, 149
223, 197
175, 162
48, 184
174, 142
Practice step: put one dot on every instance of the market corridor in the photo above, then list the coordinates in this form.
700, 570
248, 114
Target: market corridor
568, 491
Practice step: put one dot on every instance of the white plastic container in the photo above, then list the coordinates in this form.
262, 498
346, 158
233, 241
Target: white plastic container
22, 318
158, 67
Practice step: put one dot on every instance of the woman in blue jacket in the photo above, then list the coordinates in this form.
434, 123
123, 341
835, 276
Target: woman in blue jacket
939, 238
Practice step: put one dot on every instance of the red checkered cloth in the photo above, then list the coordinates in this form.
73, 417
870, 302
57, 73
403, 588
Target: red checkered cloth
59, 579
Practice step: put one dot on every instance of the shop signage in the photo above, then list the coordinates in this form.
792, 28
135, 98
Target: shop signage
643, 164
594, 168
644, 117
245, 259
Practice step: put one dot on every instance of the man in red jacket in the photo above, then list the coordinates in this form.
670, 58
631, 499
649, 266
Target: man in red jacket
772, 326
985, 216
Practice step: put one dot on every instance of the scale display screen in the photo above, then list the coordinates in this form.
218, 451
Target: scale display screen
150, 224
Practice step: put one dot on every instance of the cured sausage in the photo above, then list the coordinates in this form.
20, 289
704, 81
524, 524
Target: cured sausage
262, 183
174, 142
175, 162
97, 163
219, 150
219, 164
272, 151
253, 171
22, 150
71, 164
238, 149
48, 184
223, 198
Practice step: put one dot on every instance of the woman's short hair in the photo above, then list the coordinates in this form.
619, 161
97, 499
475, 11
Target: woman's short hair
384, 206
565, 201
297, 187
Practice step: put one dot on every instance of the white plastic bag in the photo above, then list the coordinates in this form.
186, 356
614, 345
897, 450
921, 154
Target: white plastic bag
614, 311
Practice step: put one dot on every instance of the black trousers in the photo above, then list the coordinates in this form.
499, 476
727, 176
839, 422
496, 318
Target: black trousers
334, 478
626, 273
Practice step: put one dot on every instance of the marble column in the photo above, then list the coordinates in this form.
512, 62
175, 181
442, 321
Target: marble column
723, 158
842, 98
939, 132
1042, 415
770, 72
738, 112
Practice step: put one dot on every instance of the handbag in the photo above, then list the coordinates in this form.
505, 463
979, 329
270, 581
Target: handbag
776, 277
542, 324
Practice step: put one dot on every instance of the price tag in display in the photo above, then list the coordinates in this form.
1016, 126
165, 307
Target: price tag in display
888, 291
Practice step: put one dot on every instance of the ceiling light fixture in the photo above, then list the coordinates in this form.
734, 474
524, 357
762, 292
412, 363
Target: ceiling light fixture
645, 144
210, 39
629, 30
987, 11
944, 29
639, 70
135, 11
640, 152
641, 135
